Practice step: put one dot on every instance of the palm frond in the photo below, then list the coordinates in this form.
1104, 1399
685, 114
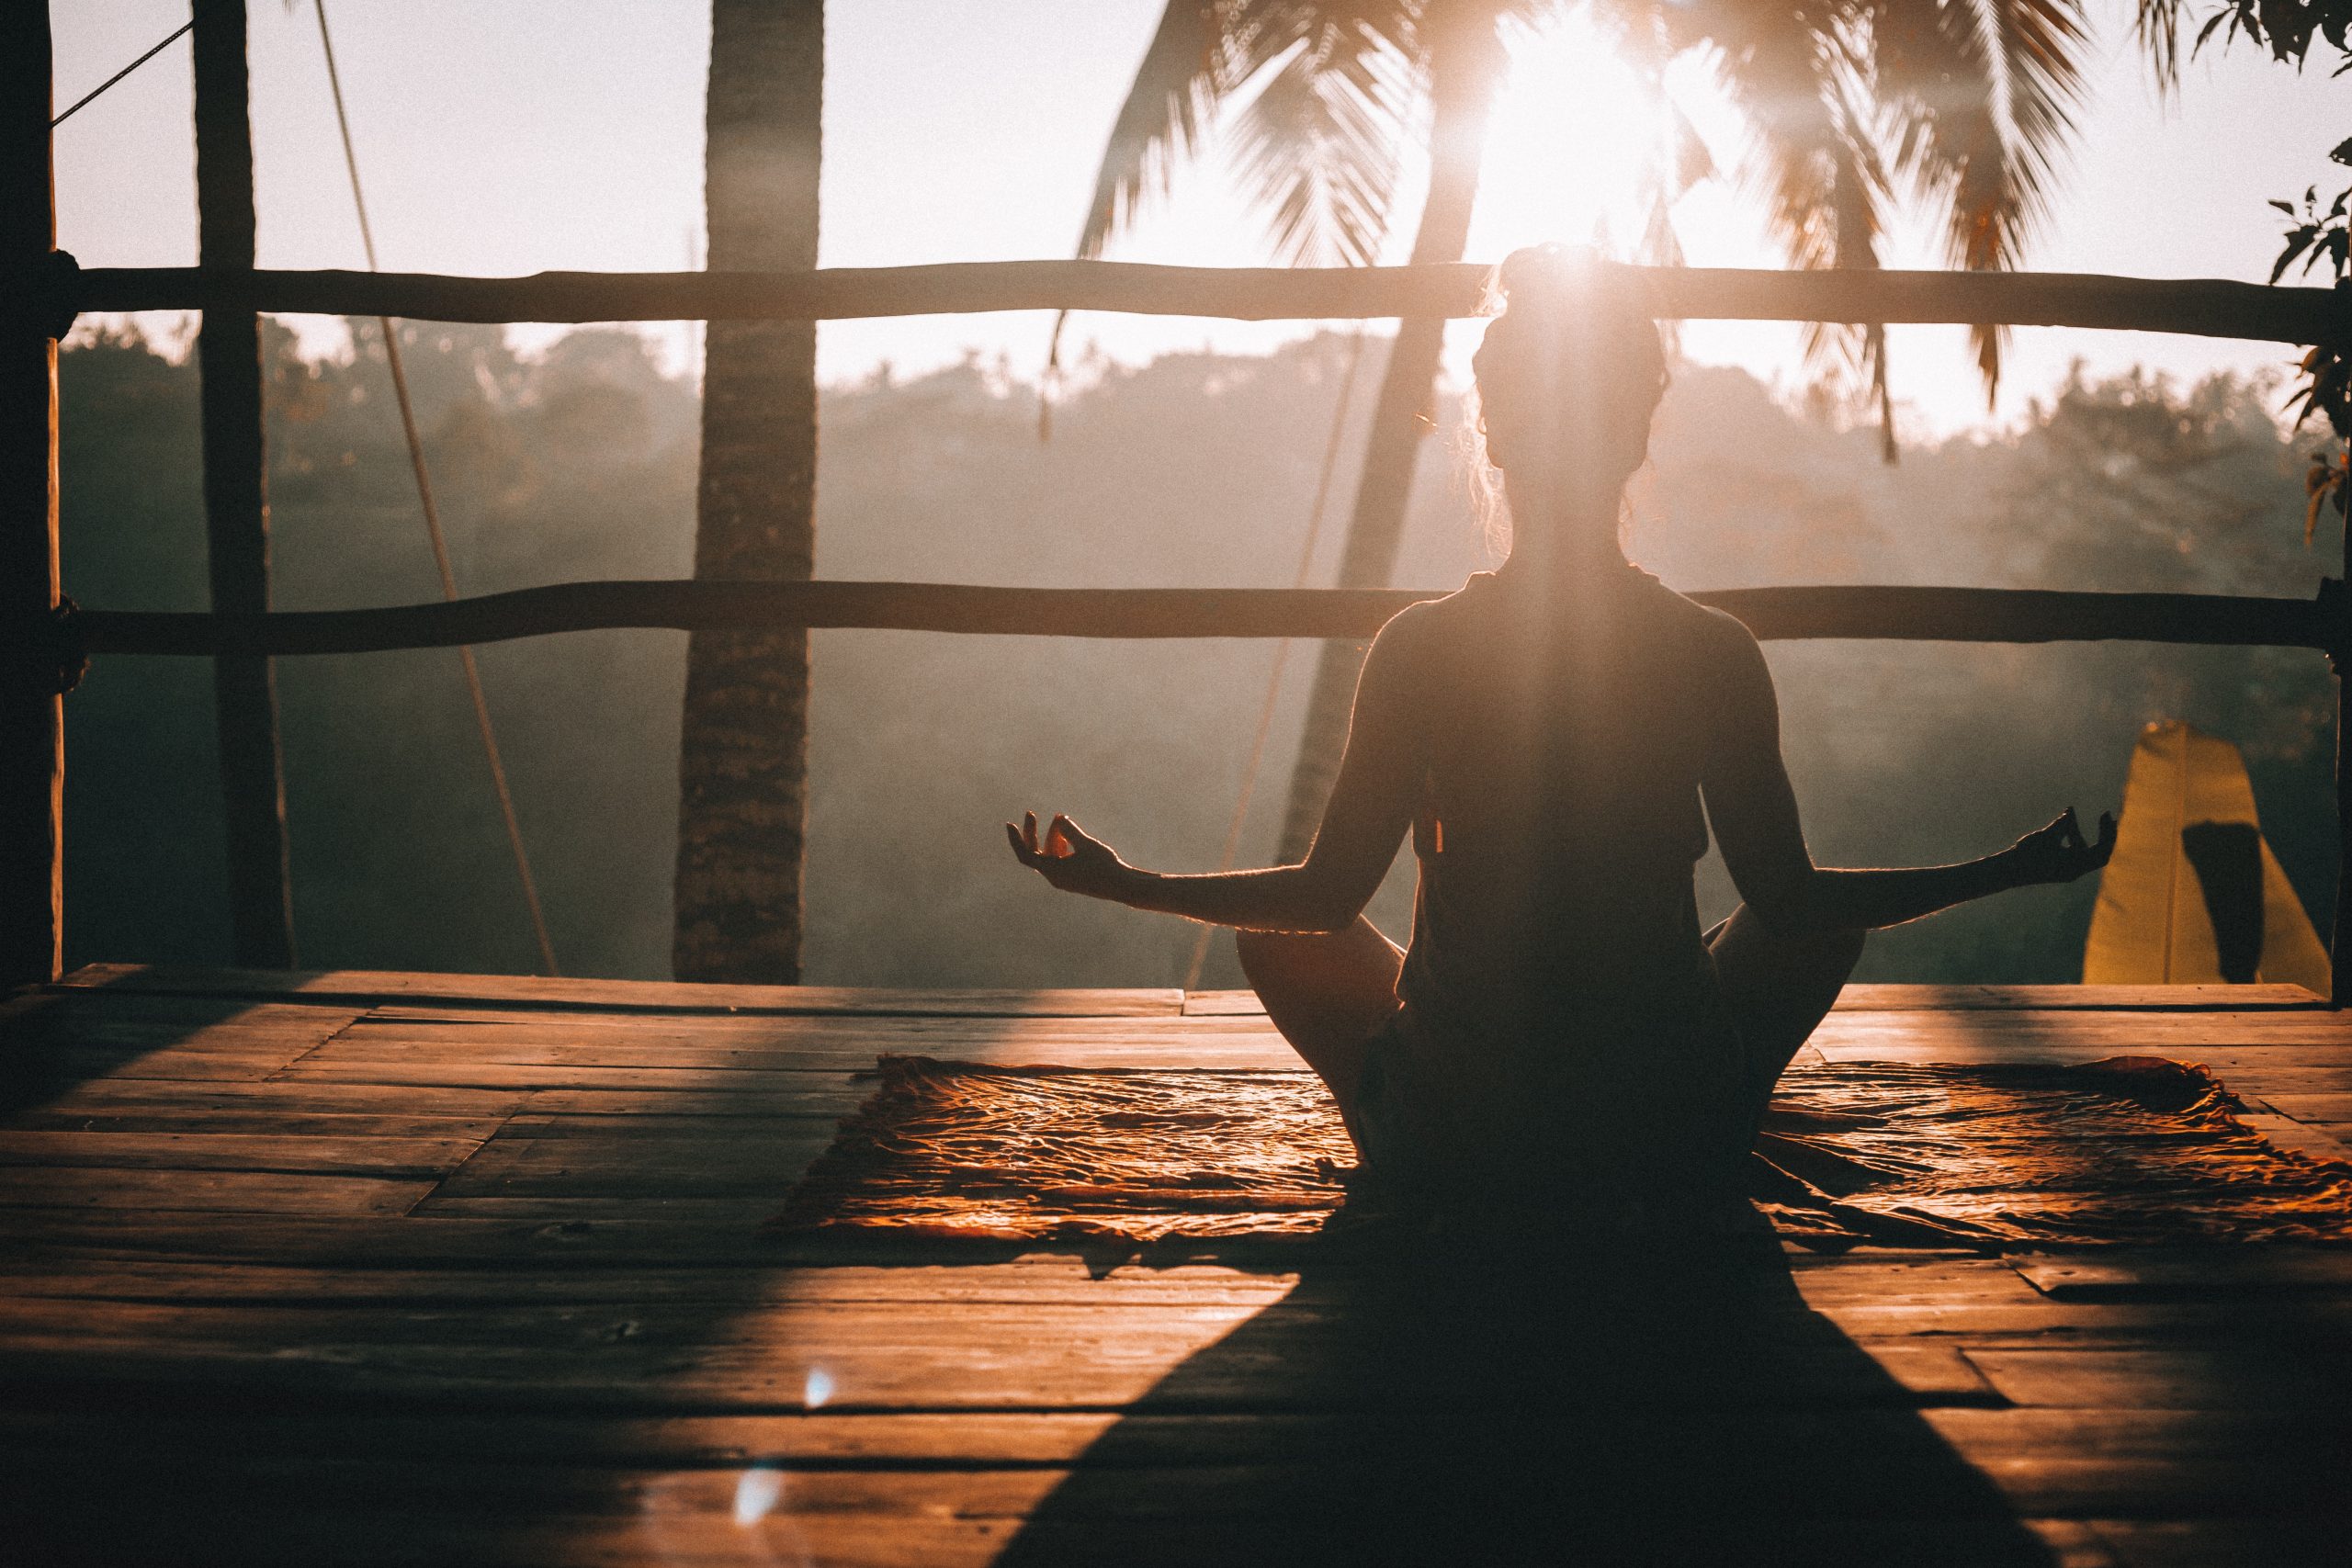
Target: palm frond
1203, 51
1815, 158
1174, 91
1980, 97
1339, 78
2155, 28
1317, 146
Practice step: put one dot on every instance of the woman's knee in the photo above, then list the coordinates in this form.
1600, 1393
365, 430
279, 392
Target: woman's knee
1281, 958
1353, 968
1260, 952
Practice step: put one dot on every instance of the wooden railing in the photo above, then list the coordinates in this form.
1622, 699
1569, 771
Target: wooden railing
2202, 307
41, 292
1914, 614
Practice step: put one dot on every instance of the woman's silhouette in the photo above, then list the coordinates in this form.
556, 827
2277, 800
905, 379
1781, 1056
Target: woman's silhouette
1559, 1028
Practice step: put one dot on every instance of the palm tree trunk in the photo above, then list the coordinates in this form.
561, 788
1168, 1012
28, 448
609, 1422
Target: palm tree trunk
1463, 66
743, 759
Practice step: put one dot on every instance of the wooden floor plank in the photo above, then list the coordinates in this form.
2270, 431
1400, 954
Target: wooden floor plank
578, 1163
2323, 1110
263, 1098
2160, 1033
281, 1149
2191, 1273
228, 1192
2236, 1377
369, 988
1868, 997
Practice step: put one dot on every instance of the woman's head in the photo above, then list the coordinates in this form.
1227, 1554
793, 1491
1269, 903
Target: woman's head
1567, 377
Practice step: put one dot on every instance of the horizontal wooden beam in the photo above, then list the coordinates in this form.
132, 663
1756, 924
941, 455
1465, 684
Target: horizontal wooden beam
1933, 615
2208, 307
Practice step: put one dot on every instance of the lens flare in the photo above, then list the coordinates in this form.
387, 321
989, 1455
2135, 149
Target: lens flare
757, 1492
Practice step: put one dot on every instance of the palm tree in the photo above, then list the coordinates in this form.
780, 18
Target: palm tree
742, 769
1850, 103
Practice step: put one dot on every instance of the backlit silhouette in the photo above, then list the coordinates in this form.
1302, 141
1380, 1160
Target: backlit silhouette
1560, 1028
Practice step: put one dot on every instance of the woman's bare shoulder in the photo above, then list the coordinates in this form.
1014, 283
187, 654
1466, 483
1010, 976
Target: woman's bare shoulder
1429, 620
1721, 641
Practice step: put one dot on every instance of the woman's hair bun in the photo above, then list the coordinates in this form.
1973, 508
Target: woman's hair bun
1586, 309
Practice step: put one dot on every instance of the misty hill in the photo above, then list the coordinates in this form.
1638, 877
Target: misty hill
1196, 469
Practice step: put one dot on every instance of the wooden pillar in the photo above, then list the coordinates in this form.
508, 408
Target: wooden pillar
32, 717
2339, 655
236, 499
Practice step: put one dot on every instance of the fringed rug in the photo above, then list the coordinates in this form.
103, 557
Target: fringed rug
2132, 1149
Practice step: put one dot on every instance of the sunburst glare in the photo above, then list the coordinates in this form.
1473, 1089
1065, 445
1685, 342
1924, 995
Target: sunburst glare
1581, 144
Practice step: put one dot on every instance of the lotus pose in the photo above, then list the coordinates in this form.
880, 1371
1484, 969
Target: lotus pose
1558, 737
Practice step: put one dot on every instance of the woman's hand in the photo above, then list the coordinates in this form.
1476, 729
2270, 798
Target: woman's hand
1068, 858
2060, 852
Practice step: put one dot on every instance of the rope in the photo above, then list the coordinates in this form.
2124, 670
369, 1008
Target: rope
1281, 650
432, 523
86, 98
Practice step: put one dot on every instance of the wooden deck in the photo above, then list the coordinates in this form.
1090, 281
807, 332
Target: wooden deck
379, 1267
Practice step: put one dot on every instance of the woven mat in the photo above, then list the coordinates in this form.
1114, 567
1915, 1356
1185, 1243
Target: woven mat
2137, 1150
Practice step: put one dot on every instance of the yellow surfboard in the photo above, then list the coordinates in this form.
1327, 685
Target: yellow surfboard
2193, 894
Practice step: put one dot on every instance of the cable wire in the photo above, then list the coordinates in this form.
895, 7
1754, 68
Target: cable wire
86, 98
432, 523
1281, 650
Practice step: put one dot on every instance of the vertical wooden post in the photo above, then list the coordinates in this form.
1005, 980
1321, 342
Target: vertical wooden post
32, 715
236, 499
2339, 658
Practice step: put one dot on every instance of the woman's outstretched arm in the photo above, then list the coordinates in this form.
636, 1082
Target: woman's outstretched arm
1754, 812
1372, 803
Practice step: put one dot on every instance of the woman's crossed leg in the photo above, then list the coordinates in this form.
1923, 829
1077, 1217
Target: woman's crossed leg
1326, 992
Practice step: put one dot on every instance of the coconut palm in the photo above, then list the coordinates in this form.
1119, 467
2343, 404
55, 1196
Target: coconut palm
743, 753
1849, 105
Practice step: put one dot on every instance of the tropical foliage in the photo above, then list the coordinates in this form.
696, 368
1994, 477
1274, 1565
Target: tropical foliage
579, 462
1851, 106
2288, 28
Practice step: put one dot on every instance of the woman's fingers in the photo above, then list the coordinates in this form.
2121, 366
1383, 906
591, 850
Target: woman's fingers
1060, 840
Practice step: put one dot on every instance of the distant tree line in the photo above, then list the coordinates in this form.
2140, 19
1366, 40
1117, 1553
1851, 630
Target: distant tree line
1195, 469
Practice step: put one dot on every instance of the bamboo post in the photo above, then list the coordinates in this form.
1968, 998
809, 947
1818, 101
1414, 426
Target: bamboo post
32, 719
2339, 940
236, 501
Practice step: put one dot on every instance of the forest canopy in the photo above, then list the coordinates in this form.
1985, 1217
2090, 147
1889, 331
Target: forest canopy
1194, 469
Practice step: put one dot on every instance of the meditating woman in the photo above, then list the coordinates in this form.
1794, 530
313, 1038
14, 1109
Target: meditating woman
1559, 1031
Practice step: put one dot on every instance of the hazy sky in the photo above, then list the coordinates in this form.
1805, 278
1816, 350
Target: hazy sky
509, 137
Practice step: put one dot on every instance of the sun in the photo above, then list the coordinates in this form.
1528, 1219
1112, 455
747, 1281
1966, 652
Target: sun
1576, 145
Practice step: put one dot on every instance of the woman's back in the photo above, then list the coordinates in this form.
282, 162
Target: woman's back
1556, 987
1560, 815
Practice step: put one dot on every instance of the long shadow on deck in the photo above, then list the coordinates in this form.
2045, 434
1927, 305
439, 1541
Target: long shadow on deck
1599, 1405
